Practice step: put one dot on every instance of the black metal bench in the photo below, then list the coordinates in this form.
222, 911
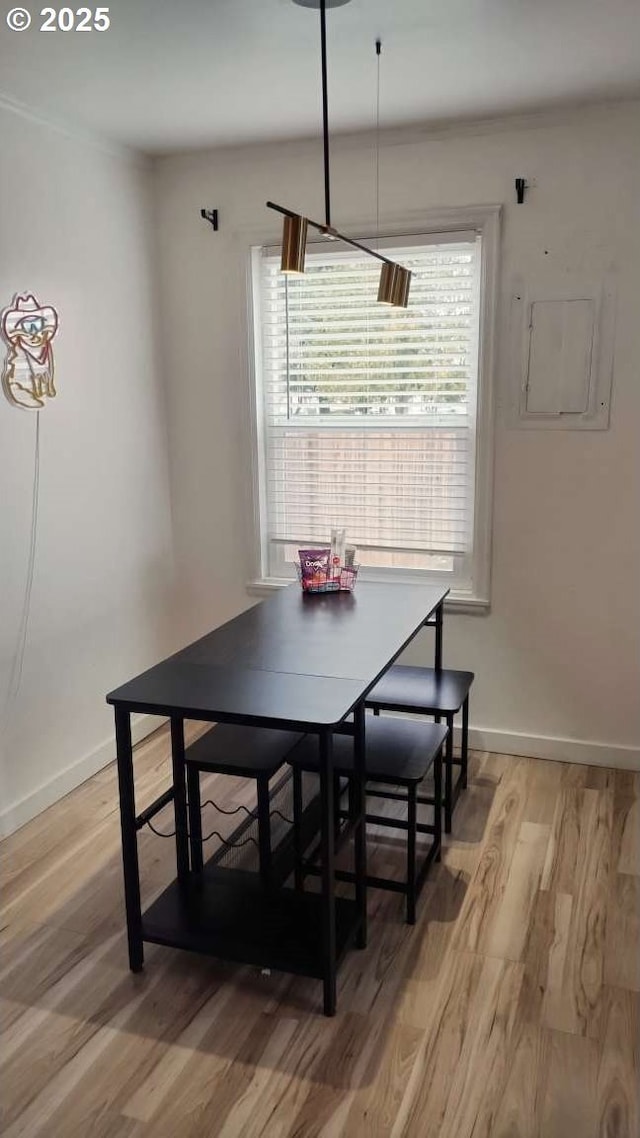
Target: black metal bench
438, 693
256, 753
399, 753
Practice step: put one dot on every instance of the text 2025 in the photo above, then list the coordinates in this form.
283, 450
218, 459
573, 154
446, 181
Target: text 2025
75, 20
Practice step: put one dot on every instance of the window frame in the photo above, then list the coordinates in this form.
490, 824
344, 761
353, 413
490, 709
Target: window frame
483, 220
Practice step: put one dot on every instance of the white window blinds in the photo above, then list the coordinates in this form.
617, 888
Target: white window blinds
370, 411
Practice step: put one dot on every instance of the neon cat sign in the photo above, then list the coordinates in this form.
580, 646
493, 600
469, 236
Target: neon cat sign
28, 329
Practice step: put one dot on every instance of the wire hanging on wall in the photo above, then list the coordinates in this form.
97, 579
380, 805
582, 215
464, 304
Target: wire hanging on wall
15, 675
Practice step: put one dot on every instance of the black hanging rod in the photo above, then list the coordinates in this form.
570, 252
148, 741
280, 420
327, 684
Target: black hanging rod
325, 112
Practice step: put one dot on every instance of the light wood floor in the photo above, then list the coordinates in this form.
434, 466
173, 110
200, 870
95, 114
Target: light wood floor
511, 1010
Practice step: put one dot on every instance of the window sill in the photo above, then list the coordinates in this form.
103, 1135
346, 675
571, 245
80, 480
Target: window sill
471, 606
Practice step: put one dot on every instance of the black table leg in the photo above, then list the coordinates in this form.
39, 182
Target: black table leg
195, 818
412, 823
448, 778
359, 785
437, 804
465, 742
328, 878
439, 623
298, 874
180, 797
129, 838
264, 831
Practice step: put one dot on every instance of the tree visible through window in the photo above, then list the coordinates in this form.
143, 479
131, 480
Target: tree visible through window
368, 411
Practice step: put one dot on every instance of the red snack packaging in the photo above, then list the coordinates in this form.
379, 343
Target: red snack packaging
314, 569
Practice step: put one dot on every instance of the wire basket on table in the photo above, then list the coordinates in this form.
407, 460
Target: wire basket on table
329, 582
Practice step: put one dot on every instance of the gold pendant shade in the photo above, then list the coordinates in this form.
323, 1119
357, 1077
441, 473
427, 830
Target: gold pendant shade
394, 285
388, 283
294, 242
402, 286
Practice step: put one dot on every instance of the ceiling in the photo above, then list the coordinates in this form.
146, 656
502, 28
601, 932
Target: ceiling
173, 74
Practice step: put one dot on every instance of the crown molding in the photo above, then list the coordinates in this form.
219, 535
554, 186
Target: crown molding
74, 133
563, 114
400, 135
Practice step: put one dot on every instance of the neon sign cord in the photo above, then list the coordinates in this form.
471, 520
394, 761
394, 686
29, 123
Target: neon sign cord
15, 678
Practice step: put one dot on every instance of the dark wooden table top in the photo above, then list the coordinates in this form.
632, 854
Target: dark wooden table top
294, 658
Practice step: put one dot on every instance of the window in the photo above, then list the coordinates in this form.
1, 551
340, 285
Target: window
371, 417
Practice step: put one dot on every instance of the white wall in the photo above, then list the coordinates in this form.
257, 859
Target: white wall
557, 659
74, 229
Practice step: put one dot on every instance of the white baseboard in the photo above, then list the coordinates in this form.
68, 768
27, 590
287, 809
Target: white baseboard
22, 811
560, 750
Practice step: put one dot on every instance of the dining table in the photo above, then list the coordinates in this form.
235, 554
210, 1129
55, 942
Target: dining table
295, 661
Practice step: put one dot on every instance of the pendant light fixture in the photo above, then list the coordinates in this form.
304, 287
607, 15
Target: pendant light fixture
394, 279
401, 287
294, 243
388, 287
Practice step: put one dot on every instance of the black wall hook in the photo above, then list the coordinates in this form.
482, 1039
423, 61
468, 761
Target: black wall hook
210, 215
521, 187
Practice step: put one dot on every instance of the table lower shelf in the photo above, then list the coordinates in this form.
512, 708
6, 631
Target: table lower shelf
226, 913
